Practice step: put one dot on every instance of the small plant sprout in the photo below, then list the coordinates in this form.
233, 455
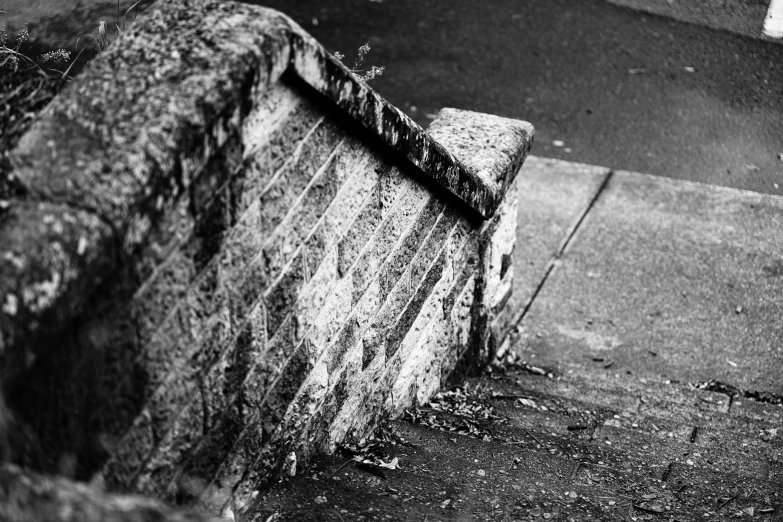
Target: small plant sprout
58, 56
362, 53
12, 58
102, 40
364, 50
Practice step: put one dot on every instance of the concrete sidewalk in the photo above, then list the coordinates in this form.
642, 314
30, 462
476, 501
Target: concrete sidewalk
667, 279
642, 381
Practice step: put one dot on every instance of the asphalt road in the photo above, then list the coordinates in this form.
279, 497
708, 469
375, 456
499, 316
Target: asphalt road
612, 83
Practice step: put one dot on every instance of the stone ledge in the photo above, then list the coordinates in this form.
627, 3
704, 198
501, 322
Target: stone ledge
491, 146
441, 156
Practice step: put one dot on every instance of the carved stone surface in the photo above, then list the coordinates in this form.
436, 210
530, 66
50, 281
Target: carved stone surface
219, 270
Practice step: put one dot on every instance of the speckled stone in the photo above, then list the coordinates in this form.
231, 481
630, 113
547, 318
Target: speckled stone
160, 173
29, 497
491, 146
136, 130
51, 256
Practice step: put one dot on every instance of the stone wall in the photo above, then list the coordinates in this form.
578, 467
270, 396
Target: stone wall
231, 253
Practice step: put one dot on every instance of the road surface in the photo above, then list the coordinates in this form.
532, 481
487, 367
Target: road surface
617, 86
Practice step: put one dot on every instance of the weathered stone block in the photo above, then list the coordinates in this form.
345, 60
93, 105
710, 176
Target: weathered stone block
53, 256
29, 497
281, 279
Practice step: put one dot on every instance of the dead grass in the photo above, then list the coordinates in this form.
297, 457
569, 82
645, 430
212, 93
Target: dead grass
28, 85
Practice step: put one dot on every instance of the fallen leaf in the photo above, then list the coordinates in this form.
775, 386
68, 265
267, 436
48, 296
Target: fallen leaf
528, 403
394, 464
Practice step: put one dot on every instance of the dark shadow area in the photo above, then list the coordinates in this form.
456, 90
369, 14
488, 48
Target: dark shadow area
79, 398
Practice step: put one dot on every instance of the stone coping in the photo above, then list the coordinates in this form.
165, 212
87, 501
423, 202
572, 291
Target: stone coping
110, 155
473, 155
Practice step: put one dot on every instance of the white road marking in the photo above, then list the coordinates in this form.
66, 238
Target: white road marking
773, 24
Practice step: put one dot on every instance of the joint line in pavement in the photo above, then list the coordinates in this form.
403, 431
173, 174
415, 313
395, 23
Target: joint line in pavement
563, 246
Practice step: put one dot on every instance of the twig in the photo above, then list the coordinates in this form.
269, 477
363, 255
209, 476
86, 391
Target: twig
341, 467
424, 465
576, 470
508, 397
647, 510
65, 73
726, 503
533, 436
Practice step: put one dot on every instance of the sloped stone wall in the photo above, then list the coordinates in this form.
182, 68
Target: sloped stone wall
234, 253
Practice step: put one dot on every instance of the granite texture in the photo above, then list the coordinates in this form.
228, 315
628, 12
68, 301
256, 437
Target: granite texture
491, 146
233, 253
29, 497
137, 129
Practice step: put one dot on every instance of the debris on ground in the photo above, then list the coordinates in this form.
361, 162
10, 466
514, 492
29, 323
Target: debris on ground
509, 361
371, 453
716, 386
468, 410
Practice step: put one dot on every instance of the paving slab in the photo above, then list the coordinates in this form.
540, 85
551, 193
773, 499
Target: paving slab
553, 197
669, 279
